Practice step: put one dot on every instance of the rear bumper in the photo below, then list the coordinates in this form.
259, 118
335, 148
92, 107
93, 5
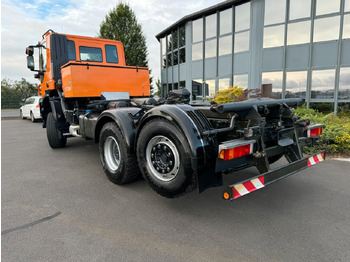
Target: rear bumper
237, 190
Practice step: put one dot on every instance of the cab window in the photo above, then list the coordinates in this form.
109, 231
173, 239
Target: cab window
111, 54
71, 50
92, 54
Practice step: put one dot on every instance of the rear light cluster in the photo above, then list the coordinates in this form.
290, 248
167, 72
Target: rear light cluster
235, 149
312, 132
37, 106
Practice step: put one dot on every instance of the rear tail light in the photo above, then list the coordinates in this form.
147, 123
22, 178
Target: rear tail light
235, 149
314, 131
37, 106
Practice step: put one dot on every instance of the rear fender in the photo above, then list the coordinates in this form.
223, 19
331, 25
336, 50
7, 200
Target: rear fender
123, 119
178, 114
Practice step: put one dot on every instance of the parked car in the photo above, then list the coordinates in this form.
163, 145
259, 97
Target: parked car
31, 108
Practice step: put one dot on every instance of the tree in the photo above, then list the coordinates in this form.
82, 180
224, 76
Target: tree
159, 90
121, 24
13, 94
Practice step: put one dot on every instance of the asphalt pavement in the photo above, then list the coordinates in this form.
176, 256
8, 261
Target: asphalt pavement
58, 205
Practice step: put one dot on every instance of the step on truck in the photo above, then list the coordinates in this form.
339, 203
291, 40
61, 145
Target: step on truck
88, 91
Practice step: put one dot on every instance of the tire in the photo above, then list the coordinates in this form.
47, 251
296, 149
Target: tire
32, 116
54, 136
21, 114
120, 166
165, 160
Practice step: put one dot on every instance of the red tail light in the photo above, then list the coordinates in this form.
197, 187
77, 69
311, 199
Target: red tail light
37, 106
314, 132
235, 149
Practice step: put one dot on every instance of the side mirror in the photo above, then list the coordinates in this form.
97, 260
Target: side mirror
29, 50
30, 62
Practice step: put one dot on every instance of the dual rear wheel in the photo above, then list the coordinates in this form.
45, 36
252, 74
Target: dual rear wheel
163, 157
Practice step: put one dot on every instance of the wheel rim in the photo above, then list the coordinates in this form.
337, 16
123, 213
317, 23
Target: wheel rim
112, 153
162, 158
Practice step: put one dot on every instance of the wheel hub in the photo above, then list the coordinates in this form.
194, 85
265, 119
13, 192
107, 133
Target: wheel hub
162, 158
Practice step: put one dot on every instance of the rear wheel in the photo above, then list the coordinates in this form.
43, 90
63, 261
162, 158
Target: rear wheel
164, 157
120, 166
32, 116
54, 135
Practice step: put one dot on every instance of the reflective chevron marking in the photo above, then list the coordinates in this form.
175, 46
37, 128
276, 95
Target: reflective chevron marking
247, 187
312, 160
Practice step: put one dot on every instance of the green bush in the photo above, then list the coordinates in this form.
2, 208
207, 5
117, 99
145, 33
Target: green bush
336, 134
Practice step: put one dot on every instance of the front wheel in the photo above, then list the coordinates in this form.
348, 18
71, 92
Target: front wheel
164, 157
119, 165
21, 114
54, 135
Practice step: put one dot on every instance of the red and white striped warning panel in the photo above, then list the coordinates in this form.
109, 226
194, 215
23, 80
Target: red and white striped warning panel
247, 187
315, 159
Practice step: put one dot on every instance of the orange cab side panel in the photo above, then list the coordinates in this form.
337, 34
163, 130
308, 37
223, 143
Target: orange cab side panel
86, 80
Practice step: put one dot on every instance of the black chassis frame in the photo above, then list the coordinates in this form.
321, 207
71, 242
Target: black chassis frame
261, 121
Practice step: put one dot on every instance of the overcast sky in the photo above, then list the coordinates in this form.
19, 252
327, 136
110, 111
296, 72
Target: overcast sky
24, 21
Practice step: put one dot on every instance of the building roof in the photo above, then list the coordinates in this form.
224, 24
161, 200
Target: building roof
199, 14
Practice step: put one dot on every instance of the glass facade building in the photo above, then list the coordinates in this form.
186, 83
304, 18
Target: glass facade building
284, 48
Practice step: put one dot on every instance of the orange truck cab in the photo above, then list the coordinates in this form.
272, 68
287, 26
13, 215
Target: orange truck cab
86, 67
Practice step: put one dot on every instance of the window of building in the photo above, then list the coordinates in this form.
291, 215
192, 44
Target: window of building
93, 54
326, 29
164, 61
71, 50
226, 21
347, 6
224, 83
275, 11
299, 33
197, 30
170, 87
182, 84
169, 59
210, 86
169, 43
210, 26
225, 45
242, 17
274, 36
182, 55
175, 57
163, 48
182, 34
296, 84
163, 44
197, 51
210, 48
176, 86
175, 39
111, 54
326, 6
241, 81
346, 26
272, 84
241, 42
322, 86
197, 89
344, 84
299, 9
